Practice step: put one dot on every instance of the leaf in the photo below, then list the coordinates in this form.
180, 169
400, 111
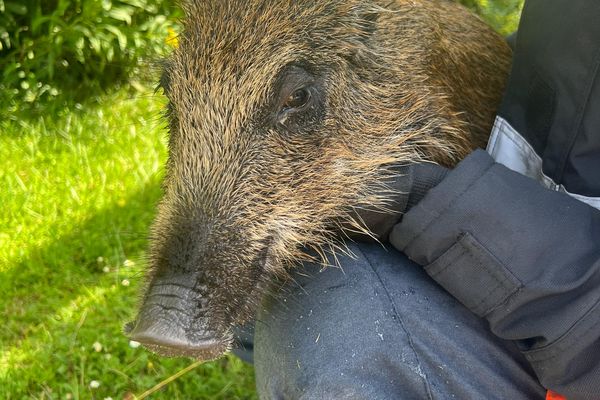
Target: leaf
96, 44
80, 43
136, 3
83, 29
19, 9
121, 14
110, 54
122, 39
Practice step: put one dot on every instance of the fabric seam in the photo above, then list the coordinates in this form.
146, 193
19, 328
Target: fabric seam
448, 264
399, 319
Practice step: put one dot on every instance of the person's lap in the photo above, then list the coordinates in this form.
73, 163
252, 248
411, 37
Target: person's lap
380, 328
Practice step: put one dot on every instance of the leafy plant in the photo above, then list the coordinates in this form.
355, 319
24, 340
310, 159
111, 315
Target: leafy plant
76, 47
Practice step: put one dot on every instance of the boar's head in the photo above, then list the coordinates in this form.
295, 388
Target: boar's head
284, 116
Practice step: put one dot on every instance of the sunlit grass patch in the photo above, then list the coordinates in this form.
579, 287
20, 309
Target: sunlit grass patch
78, 194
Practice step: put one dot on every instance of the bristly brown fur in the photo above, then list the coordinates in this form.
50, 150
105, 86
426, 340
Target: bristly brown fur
403, 80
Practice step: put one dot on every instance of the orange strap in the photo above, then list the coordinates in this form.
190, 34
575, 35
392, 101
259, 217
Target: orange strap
554, 396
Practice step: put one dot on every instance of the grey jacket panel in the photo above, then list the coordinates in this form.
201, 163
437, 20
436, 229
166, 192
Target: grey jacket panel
523, 257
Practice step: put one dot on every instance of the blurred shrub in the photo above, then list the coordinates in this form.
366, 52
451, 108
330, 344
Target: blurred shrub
503, 15
54, 48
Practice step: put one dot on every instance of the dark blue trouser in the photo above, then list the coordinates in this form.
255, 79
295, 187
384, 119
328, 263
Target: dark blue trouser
380, 328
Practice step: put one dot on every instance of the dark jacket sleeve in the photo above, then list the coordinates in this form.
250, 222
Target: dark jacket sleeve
523, 257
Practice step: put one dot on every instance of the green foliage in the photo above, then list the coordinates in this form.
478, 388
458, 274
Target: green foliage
75, 47
503, 15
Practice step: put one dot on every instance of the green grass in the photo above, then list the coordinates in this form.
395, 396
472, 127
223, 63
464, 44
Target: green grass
78, 194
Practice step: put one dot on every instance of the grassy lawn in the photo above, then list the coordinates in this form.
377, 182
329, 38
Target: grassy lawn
78, 193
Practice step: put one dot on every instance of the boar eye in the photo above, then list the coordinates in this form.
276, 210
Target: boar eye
297, 99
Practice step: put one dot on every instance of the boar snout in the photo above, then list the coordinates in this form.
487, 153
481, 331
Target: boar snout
171, 321
204, 279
